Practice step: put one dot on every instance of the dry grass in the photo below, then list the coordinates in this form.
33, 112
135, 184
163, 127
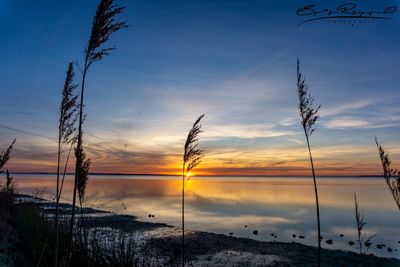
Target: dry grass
361, 237
308, 114
391, 175
192, 156
103, 27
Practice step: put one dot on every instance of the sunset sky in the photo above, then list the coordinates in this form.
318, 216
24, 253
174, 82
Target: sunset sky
233, 60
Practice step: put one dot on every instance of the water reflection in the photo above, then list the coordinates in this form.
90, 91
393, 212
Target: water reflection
283, 206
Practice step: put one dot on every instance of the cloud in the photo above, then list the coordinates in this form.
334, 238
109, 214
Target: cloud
346, 122
244, 131
345, 107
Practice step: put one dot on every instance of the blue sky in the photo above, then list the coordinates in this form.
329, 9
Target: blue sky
233, 60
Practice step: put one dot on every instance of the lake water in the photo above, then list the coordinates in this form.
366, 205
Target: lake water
283, 206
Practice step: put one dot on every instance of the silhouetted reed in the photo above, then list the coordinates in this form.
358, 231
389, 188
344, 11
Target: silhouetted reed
31, 242
9, 179
7, 199
391, 175
103, 26
361, 237
66, 135
83, 172
192, 156
308, 114
5, 156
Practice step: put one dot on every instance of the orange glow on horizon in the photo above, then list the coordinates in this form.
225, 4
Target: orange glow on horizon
329, 161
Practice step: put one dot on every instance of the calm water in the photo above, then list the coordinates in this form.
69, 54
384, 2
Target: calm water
283, 206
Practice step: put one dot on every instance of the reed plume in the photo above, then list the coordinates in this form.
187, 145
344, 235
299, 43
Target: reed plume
82, 173
391, 175
102, 27
308, 114
192, 156
66, 134
5, 156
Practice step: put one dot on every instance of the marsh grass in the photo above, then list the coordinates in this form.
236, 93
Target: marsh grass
362, 238
103, 26
192, 156
391, 175
5, 156
66, 136
308, 114
31, 242
82, 173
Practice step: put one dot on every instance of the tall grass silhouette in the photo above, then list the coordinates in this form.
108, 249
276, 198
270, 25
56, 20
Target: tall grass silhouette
308, 114
391, 175
102, 27
361, 237
5, 156
6, 193
66, 136
83, 171
192, 156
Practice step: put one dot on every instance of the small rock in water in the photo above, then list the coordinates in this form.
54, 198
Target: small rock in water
368, 244
272, 234
302, 236
245, 226
321, 237
379, 246
275, 236
294, 236
351, 243
153, 215
230, 233
255, 232
389, 250
329, 241
341, 235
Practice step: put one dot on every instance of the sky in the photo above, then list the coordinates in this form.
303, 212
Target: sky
233, 60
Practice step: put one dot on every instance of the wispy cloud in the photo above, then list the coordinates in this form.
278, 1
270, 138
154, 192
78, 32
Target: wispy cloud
346, 122
340, 108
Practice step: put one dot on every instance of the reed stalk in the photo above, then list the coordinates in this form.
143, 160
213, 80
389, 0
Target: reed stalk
308, 114
66, 136
391, 175
102, 27
192, 156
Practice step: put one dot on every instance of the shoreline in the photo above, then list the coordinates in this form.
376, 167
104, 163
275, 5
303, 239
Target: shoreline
163, 241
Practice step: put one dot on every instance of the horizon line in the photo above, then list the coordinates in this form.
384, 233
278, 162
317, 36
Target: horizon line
224, 175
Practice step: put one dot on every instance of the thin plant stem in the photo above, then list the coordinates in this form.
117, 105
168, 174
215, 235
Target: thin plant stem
183, 215
65, 171
79, 144
57, 197
316, 199
192, 156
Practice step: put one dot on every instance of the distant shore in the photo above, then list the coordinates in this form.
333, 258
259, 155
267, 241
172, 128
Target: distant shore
162, 241
208, 176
